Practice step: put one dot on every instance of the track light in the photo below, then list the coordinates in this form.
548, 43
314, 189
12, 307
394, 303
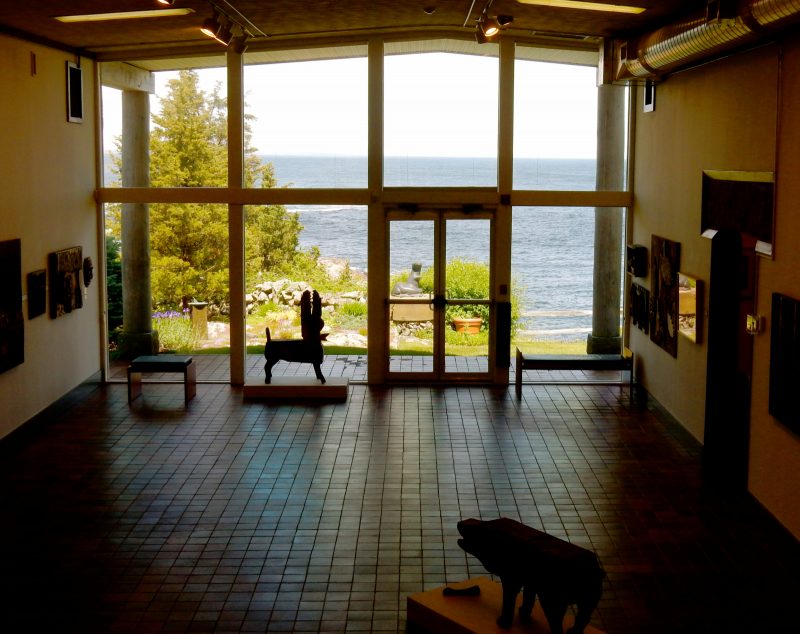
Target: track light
489, 26
169, 3
215, 27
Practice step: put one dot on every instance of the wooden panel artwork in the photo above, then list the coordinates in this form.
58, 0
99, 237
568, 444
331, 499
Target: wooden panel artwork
665, 263
65, 268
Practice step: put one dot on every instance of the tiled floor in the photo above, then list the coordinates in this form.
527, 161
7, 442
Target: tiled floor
243, 516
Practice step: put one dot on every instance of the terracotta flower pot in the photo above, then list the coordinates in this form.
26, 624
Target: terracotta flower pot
469, 325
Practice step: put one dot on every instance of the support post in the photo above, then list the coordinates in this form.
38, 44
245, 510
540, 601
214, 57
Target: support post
606, 336
138, 337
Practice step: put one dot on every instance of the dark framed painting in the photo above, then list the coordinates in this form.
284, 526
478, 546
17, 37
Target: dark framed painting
12, 325
664, 266
784, 362
37, 293
65, 270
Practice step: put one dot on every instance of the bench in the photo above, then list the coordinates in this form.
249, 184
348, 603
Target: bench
620, 362
164, 363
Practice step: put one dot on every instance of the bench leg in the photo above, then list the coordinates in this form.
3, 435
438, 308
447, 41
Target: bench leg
134, 385
189, 382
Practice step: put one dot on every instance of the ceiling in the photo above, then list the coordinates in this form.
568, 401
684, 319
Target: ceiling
276, 23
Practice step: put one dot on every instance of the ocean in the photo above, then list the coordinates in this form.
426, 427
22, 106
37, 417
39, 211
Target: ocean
552, 250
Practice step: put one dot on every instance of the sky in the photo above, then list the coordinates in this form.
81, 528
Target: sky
435, 104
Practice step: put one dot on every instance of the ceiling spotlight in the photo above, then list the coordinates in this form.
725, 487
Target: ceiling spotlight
489, 26
169, 3
505, 20
215, 28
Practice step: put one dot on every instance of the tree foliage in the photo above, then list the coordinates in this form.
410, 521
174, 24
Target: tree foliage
189, 242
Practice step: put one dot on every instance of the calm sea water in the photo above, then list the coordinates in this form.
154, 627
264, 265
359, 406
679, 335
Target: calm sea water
552, 248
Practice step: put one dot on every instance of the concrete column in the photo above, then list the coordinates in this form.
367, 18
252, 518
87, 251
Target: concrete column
606, 336
138, 336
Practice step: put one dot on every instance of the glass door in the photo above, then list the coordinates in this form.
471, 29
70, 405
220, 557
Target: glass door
439, 301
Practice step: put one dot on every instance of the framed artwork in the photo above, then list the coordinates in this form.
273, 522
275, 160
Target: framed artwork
784, 362
12, 325
690, 307
66, 268
664, 265
37, 293
74, 93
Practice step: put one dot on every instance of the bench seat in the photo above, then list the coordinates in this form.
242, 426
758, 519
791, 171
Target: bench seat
165, 363
621, 362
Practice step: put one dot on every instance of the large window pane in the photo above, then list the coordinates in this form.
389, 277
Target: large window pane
188, 131
555, 126
552, 262
296, 248
310, 109
440, 105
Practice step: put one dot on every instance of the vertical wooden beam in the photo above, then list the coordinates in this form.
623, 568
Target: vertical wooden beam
377, 256
501, 238
236, 236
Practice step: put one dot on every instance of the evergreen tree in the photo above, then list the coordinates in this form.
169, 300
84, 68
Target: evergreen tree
189, 242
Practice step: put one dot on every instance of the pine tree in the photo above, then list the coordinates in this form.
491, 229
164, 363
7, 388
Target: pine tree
189, 242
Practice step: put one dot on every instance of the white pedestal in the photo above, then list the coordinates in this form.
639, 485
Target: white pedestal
296, 387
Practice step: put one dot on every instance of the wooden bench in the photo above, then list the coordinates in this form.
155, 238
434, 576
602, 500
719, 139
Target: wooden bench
620, 362
165, 363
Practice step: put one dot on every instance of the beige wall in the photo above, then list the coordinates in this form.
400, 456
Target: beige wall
46, 200
774, 450
723, 116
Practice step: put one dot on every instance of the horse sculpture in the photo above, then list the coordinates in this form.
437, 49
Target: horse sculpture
306, 350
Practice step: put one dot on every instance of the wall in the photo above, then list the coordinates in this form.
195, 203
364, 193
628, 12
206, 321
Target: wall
720, 116
47, 178
774, 450
724, 116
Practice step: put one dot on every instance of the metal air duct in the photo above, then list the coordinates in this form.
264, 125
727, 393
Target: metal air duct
701, 37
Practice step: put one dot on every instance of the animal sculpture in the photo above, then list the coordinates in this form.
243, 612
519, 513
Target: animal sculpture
306, 350
526, 559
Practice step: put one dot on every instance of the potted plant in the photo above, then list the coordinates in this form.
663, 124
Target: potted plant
465, 319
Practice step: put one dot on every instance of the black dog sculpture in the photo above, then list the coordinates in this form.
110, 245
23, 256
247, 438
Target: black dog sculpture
526, 559
305, 350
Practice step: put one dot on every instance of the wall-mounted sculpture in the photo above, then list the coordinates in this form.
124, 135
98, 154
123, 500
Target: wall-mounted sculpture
66, 268
665, 263
306, 350
12, 323
526, 559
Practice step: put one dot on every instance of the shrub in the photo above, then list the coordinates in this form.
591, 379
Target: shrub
353, 309
175, 331
468, 280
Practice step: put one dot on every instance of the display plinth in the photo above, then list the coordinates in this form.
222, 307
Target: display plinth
433, 612
296, 387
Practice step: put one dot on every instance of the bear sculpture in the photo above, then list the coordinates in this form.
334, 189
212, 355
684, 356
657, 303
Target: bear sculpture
526, 559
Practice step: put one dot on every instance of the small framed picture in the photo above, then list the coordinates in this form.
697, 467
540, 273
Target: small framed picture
74, 93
